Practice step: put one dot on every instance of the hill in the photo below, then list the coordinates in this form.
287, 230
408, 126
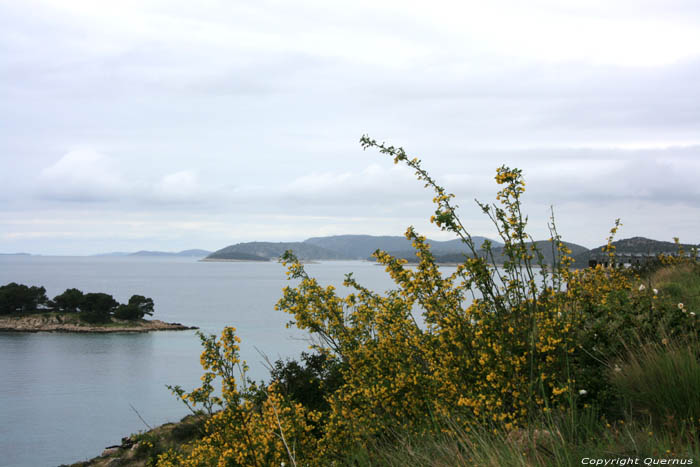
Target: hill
269, 250
639, 246
362, 246
233, 255
456, 256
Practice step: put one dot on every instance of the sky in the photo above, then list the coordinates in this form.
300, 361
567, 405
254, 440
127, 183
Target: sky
169, 125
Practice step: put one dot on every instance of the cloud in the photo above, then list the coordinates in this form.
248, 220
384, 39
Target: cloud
181, 187
87, 176
377, 186
82, 175
665, 175
250, 108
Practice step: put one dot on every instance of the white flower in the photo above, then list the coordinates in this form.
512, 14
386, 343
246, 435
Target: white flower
582, 392
692, 313
656, 292
680, 306
641, 287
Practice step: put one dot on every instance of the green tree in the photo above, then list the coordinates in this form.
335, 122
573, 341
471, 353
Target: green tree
69, 301
19, 298
137, 308
143, 304
97, 307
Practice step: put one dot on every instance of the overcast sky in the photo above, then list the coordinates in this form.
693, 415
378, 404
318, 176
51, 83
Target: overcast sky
176, 124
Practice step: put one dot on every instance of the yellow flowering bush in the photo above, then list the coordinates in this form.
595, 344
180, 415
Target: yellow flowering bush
248, 425
499, 341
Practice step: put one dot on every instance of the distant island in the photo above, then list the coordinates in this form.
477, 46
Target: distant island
337, 247
354, 247
28, 309
193, 253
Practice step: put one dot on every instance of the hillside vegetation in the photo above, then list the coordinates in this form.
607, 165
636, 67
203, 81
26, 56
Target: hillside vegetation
329, 248
268, 250
634, 246
498, 254
362, 246
550, 365
452, 251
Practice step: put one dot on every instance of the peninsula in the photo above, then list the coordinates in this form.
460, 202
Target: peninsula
65, 322
27, 309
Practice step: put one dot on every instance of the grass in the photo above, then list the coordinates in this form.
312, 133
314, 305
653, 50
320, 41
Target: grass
680, 284
662, 382
659, 399
544, 444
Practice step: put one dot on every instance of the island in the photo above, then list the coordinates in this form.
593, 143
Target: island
63, 322
27, 309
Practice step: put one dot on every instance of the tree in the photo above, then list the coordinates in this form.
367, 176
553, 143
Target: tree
143, 304
19, 298
69, 301
97, 307
137, 307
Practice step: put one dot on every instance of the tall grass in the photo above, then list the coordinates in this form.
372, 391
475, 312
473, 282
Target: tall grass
662, 382
680, 284
543, 445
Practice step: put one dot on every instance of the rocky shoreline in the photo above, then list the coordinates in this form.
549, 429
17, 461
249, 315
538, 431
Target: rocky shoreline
142, 449
55, 322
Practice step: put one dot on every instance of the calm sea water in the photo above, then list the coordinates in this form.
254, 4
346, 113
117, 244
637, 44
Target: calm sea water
64, 397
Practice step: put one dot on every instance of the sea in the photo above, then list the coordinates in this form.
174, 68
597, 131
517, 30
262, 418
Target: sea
64, 397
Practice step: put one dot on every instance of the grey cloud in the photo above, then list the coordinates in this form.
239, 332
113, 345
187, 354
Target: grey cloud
87, 176
659, 176
237, 115
82, 175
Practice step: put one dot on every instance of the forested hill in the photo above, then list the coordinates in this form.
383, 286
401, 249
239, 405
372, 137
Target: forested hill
264, 251
362, 246
334, 247
446, 256
634, 246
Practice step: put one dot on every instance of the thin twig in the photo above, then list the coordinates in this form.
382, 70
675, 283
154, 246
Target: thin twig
279, 424
139, 415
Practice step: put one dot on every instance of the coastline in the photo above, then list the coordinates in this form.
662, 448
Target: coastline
56, 322
142, 448
226, 260
270, 260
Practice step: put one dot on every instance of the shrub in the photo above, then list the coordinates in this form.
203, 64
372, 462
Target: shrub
497, 346
242, 429
95, 317
310, 382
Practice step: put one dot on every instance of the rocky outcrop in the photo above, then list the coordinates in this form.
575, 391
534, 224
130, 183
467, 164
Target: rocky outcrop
55, 322
142, 449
